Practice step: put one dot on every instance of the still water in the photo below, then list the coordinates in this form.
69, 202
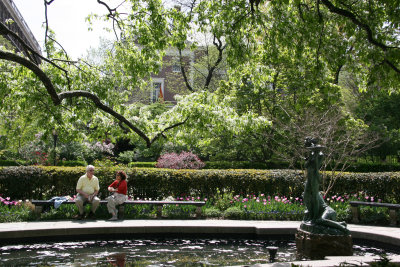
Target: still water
155, 252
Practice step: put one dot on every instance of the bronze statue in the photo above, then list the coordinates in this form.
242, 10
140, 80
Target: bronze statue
319, 217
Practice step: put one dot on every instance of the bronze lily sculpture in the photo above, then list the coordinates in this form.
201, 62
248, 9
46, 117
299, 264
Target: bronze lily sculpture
319, 218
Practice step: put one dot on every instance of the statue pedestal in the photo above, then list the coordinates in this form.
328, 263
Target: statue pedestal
317, 246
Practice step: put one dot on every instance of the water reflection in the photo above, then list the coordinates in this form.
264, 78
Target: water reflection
154, 252
117, 259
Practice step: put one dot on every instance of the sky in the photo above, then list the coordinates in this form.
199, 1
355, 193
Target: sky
67, 19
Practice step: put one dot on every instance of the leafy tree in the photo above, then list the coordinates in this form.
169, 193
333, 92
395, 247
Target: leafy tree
277, 54
62, 83
380, 111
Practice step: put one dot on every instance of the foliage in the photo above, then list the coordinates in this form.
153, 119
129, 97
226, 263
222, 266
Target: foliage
223, 200
383, 261
71, 163
248, 207
212, 212
11, 163
265, 57
213, 127
234, 213
105, 163
178, 212
45, 182
368, 166
98, 150
245, 165
379, 110
127, 156
23, 182
360, 166
371, 215
14, 211
142, 164
185, 160
381, 185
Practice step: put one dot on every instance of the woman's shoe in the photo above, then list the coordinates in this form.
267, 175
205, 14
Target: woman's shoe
113, 218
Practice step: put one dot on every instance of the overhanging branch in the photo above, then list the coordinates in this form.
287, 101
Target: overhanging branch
370, 36
57, 98
36, 70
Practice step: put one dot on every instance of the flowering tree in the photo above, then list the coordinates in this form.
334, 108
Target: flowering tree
184, 160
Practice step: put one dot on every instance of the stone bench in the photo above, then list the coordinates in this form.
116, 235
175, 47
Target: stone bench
39, 204
392, 210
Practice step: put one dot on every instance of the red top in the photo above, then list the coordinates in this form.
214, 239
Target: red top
122, 187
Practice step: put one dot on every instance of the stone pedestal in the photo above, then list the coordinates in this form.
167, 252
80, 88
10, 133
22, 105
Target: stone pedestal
317, 246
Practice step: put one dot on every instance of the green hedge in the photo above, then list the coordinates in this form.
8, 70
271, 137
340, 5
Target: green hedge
374, 167
221, 165
380, 185
354, 167
5, 162
45, 182
71, 163
142, 164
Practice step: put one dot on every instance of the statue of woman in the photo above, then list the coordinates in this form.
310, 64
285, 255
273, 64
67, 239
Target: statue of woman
311, 190
318, 212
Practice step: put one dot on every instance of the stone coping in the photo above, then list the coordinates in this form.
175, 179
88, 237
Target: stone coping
39, 231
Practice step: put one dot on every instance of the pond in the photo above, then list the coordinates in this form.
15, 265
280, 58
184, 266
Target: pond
157, 252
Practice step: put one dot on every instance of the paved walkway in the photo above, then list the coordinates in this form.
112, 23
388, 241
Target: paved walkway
36, 230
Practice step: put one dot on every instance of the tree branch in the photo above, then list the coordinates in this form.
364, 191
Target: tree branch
353, 18
57, 98
220, 49
112, 15
36, 70
166, 129
107, 109
5, 31
189, 87
365, 27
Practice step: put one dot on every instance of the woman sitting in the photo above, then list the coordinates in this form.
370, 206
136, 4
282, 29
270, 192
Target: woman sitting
119, 188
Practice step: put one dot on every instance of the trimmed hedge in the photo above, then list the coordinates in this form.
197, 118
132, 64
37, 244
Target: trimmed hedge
142, 164
374, 167
380, 185
221, 165
354, 167
45, 182
71, 163
5, 162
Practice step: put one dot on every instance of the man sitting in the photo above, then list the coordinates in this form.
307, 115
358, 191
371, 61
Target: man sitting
87, 188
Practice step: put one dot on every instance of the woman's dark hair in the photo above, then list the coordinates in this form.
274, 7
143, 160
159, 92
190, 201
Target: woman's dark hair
122, 174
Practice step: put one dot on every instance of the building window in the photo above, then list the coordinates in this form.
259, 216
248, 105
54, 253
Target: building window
158, 91
176, 67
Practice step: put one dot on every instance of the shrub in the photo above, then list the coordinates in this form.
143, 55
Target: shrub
184, 160
71, 163
221, 165
23, 182
14, 212
104, 162
234, 213
43, 182
127, 156
223, 200
374, 215
212, 212
142, 164
11, 163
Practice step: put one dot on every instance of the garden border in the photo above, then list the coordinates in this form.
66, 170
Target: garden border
356, 213
40, 204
